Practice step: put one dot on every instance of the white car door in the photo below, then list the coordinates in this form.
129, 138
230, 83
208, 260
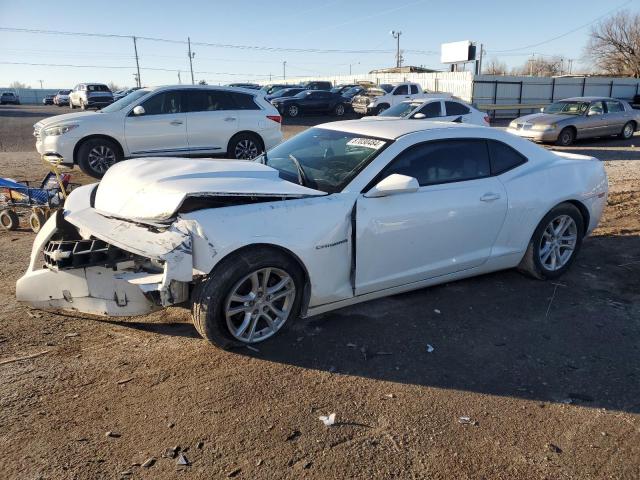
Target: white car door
212, 120
400, 94
162, 129
449, 224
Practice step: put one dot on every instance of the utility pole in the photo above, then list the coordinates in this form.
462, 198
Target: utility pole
179, 79
40, 84
479, 62
284, 70
135, 49
191, 55
396, 35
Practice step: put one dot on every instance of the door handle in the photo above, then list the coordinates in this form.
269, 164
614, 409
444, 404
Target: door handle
489, 197
176, 122
230, 119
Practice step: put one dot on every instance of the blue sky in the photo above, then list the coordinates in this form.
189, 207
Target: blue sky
304, 24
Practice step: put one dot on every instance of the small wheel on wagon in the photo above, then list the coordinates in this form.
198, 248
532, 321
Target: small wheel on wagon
9, 219
36, 220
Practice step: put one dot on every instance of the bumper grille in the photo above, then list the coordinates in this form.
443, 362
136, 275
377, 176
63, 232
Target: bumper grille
67, 254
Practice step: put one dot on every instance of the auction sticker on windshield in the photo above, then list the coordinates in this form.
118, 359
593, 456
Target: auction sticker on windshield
367, 142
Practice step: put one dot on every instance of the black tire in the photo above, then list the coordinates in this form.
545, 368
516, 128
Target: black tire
9, 219
36, 220
531, 263
381, 108
628, 130
244, 146
210, 294
97, 168
292, 111
339, 110
566, 137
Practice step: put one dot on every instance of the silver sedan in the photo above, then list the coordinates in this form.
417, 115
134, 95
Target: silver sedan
564, 121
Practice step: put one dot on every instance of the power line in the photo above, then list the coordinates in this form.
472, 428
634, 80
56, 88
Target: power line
208, 44
533, 45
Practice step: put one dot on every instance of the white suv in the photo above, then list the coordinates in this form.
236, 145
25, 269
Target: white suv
376, 100
163, 121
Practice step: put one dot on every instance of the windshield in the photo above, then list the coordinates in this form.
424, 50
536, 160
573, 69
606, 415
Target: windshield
64, 92
329, 159
386, 87
97, 88
401, 110
352, 92
125, 101
567, 108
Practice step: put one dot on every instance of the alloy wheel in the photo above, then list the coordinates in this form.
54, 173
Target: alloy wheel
628, 131
246, 149
259, 304
558, 242
293, 111
101, 158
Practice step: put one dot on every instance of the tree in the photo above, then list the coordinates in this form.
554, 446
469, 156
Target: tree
614, 44
202, 82
541, 67
495, 67
17, 84
114, 87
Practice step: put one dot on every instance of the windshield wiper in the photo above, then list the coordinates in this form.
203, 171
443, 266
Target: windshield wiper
302, 178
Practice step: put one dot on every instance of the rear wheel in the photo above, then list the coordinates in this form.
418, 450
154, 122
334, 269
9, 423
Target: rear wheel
9, 219
627, 130
339, 110
566, 137
36, 220
248, 298
293, 110
554, 244
95, 156
244, 146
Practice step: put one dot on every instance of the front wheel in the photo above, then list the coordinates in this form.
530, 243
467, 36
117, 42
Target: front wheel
554, 244
249, 297
95, 156
339, 110
566, 137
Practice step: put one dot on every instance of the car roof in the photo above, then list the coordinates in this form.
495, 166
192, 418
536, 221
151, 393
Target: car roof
391, 129
587, 99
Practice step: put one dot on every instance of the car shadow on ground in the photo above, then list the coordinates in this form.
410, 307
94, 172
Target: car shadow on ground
576, 340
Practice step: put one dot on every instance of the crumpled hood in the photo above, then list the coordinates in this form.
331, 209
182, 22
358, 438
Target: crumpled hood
154, 188
542, 118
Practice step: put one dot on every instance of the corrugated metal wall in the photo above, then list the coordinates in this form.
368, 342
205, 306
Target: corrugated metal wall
30, 95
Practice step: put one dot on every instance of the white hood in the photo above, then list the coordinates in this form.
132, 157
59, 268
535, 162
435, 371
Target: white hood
45, 122
154, 188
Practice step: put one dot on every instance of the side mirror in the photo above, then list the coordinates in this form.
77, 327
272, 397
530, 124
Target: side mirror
392, 185
138, 110
419, 116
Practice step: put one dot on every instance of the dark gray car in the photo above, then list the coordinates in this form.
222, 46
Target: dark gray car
574, 118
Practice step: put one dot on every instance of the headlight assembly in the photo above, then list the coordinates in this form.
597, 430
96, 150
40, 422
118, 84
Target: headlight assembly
543, 128
58, 130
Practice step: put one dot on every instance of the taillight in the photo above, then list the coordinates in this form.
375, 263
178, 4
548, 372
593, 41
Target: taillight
275, 118
487, 118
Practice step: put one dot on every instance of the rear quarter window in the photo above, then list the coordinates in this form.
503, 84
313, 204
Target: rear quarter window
503, 157
244, 101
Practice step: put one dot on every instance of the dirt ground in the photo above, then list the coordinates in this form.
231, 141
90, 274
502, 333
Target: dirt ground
548, 374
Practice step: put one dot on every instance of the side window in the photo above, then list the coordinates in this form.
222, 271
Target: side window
596, 108
164, 103
401, 90
503, 157
244, 101
431, 110
414, 89
443, 161
455, 108
613, 107
208, 101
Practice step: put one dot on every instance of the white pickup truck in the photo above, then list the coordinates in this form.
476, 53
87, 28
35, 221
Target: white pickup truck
377, 99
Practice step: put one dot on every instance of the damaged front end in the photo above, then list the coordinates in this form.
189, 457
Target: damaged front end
84, 261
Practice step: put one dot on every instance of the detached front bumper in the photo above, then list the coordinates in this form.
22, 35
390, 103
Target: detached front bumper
363, 109
92, 273
59, 146
535, 135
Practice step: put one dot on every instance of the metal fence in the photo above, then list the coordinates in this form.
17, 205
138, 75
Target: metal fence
30, 96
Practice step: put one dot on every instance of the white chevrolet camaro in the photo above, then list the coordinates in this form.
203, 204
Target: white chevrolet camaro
341, 213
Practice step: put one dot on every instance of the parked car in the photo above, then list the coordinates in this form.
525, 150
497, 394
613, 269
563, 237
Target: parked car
48, 99
250, 86
351, 93
90, 95
343, 87
273, 88
318, 85
312, 101
576, 118
9, 97
153, 121
62, 98
123, 93
376, 100
285, 92
440, 109
339, 214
